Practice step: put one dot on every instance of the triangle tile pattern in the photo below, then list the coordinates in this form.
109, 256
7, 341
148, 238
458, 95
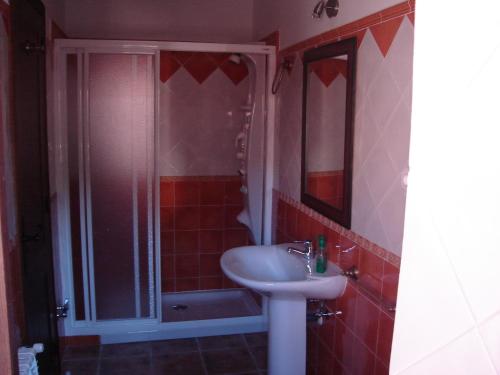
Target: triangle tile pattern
411, 17
382, 120
235, 72
385, 32
168, 65
183, 57
328, 70
200, 65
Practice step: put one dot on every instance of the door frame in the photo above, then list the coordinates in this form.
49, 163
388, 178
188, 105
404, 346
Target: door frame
145, 328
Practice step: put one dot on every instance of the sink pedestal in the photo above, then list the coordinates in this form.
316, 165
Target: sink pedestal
287, 336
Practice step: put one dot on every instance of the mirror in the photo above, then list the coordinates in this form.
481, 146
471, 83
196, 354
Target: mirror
327, 129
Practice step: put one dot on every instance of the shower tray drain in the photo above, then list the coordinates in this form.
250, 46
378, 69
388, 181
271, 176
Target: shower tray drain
179, 307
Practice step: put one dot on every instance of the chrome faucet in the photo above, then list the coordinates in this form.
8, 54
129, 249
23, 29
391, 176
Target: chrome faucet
308, 251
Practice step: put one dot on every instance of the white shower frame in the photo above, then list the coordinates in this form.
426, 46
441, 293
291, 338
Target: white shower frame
138, 329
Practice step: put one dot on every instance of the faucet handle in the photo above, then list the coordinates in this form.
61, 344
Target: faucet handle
304, 242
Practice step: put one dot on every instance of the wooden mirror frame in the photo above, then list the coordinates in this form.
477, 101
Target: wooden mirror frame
345, 47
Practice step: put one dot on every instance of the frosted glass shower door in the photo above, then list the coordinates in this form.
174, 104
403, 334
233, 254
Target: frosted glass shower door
120, 171
111, 158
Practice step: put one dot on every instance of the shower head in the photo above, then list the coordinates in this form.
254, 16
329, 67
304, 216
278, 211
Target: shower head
330, 7
235, 58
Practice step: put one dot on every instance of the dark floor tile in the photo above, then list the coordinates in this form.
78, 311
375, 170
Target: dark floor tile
228, 361
80, 367
221, 342
178, 364
126, 366
259, 353
174, 346
136, 349
81, 352
256, 339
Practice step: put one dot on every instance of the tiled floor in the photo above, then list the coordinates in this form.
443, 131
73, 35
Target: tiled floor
208, 305
233, 354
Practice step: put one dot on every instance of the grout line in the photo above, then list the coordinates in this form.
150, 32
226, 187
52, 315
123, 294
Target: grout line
203, 364
251, 354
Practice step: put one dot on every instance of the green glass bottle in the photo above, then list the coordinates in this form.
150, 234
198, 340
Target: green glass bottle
321, 257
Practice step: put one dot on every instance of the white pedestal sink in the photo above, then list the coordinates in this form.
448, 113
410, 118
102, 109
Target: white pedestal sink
288, 280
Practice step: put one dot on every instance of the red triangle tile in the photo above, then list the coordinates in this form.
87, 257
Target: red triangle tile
219, 58
235, 72
183, 56
411, 17
385, 32
326, 71
360, 36
200, 67
168, 65
340, 66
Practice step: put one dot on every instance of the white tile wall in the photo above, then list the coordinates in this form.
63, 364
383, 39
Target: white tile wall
381, 137
448, 317
199, 124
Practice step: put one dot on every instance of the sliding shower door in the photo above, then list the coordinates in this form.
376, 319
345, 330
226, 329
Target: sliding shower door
110, 105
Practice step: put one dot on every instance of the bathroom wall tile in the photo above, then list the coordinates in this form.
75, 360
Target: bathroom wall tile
200, 67
232, 194
312, 343
235, 72
187, 265
211, 241
166, 193
212, 217
167, 242
168, 266
348, 258
364, 362
212, 192
390, 282
327, 364
291, 221
167, 285
186, 241
344, 345
228, 283
366, 321
384, 340
347, 304
210, 265
166, 218
188, 284
187, 218
187, 193
380, 368
303, 226
371, 270
209, 283
230, 217
385, 32
489, 333
472, 359
235, 238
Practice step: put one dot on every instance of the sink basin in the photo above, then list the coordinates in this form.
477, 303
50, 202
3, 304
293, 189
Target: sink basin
272, 271
288, 280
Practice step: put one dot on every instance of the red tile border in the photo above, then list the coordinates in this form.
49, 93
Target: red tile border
293, 208
357, 28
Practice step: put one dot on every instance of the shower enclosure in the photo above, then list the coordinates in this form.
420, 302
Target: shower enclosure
162, 158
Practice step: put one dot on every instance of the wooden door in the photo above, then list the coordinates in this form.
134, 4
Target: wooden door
31, 158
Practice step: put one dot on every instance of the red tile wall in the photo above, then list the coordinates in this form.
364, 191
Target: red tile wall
327, 186
359, 340
198, 223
